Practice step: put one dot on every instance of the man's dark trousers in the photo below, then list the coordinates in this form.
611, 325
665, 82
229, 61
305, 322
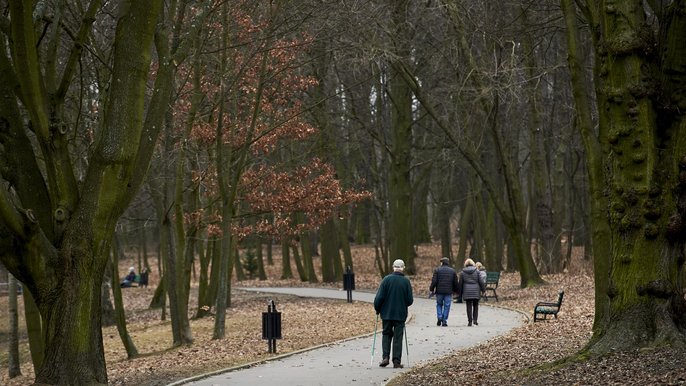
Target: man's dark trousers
393, 330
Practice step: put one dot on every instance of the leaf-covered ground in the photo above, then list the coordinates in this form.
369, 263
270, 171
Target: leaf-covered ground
512, 359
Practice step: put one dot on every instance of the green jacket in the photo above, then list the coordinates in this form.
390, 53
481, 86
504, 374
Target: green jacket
393, 297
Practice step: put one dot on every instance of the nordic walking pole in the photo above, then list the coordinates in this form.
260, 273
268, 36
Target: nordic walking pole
374, 344
407, 350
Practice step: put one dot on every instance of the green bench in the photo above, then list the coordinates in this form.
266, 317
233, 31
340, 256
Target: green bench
492, 280
547, 308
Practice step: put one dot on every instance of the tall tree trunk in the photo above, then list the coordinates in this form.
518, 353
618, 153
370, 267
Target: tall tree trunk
443, 188
270, 250
302, 274
119, 312
342, 225
238, 264
108, 317
13, 362
636, 160
490, 236
466, 229
204, 303
400, 182
601, 232
73, 355
185, 235
286, 271
542, 198
330, 254
261, 274
420, 206
305, 246
444, 212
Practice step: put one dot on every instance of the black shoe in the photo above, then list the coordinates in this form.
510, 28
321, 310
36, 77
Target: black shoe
444, 324
475, 323
439, 322
384, 362
469, 324
397, 365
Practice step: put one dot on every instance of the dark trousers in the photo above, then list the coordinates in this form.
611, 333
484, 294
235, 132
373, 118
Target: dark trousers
472, 310
393, 333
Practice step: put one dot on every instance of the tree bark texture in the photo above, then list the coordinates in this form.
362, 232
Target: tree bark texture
61, 228
637, 165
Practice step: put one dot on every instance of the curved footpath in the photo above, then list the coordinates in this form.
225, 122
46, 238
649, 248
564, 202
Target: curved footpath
348, 362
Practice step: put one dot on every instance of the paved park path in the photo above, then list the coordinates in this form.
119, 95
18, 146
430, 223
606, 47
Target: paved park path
348, 362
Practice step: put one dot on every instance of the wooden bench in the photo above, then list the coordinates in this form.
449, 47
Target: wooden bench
492, 280
547, 308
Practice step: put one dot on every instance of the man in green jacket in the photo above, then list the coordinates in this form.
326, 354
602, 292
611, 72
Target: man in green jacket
391, 301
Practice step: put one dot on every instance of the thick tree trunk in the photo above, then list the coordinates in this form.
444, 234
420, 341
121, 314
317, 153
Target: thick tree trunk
636, 163
74, 353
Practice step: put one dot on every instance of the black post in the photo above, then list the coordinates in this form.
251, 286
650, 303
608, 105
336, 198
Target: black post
271, 326
349, 283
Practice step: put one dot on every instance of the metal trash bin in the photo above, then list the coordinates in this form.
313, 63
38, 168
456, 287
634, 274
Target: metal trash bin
349, 283
271, 325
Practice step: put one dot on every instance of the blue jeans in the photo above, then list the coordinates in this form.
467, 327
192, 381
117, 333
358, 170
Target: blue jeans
443, 305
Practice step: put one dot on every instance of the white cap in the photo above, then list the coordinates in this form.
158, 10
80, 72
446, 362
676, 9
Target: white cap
131, 269
398, 264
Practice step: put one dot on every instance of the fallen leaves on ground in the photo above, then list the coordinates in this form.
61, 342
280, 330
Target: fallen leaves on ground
511, 359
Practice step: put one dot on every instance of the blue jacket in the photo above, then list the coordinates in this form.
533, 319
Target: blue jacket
393, 297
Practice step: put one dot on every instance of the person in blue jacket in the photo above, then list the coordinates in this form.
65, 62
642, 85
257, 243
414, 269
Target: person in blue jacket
392, 299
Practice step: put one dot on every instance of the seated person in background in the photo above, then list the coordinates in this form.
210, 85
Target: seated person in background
130, 278
143, 282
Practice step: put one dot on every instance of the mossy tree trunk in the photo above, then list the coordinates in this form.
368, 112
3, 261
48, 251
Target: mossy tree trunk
34, 331
637, 169
61, 227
